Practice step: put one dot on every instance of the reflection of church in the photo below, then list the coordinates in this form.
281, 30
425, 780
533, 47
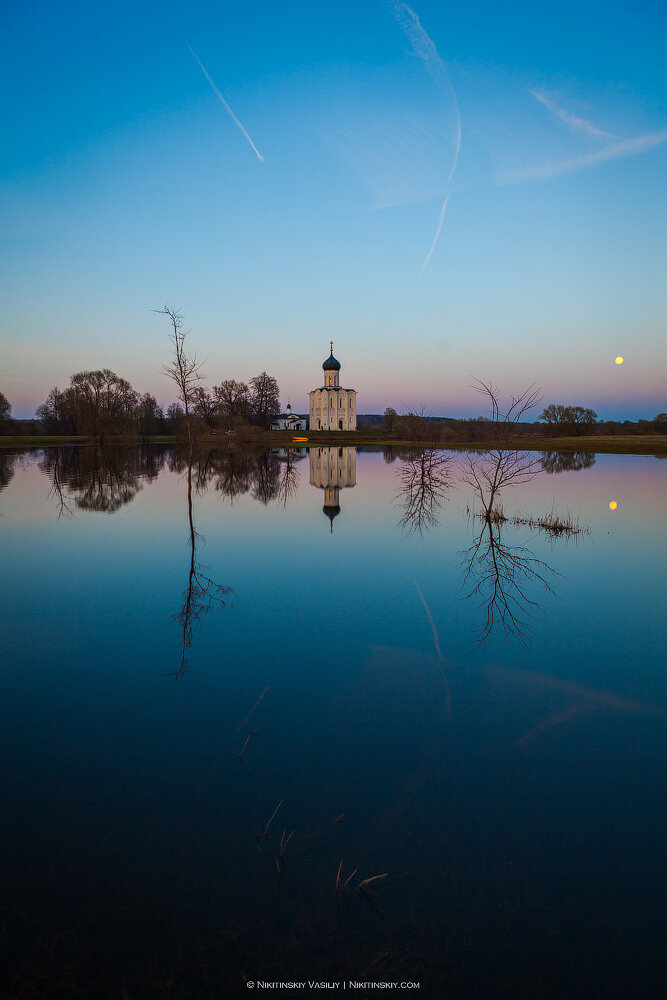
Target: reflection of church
332, 469
331, 407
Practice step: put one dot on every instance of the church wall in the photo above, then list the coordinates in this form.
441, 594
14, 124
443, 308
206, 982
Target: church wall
331, 407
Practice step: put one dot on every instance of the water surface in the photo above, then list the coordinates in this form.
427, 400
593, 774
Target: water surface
475, 709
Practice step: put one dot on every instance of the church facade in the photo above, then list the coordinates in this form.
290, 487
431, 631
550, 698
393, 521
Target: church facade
332, 408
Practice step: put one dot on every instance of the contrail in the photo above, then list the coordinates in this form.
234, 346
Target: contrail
574, 121
224, 102
424, 48
612, 151
435, 238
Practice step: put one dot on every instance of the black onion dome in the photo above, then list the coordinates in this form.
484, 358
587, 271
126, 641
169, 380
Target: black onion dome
331, 365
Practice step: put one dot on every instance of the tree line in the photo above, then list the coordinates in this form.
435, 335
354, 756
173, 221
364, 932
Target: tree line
556, 420
102, 405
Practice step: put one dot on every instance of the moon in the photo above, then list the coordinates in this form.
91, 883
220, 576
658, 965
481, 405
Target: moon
612, 505
619, 360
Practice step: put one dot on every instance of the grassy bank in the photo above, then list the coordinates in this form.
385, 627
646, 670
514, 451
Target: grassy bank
649, 444
74, 440
631, 444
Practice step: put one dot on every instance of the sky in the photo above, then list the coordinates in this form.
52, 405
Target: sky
446, 191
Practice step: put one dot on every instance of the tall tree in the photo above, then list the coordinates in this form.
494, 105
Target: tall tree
5, 410
233, 399
265, 398
563, 419
184, 369
149, 414
205, 406
105, 402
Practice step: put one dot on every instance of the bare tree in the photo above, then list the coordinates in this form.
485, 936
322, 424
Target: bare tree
505, 423
205, 406
149, 415
495, 573
490, 472
265, 398
184, 369
233, 399
104, 402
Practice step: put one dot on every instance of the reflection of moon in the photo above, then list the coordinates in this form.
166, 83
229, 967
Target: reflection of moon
612, 505
619, 360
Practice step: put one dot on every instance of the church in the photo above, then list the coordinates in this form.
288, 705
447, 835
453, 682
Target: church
332, 408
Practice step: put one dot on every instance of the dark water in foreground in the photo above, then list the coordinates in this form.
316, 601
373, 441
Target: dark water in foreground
475, 709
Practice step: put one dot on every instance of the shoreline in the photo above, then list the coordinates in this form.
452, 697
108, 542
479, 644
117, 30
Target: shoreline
649, 444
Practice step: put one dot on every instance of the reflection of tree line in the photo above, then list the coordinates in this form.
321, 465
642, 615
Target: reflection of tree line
264, 476
8, 460
105, 479
567, 461
99, 479
499, 575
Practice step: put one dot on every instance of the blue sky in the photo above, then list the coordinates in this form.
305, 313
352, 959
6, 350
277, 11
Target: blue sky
126, 183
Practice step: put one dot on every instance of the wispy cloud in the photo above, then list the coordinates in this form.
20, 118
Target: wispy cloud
574, 121
613, 151
423, 47
224, 103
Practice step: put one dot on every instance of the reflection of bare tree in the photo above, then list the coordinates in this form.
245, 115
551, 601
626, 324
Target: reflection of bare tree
499, 576
201, 593
288, 478
564, 461
491, 472
58, 489
425, 478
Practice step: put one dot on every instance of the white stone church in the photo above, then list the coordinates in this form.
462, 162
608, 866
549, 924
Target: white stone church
331, 407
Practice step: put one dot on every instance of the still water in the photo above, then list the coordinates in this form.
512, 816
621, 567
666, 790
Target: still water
235, 690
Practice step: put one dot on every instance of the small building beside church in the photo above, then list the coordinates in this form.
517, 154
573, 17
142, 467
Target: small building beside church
332, 408
289, 421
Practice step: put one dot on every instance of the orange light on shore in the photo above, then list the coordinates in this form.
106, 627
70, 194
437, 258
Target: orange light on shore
612, 505
619, 360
